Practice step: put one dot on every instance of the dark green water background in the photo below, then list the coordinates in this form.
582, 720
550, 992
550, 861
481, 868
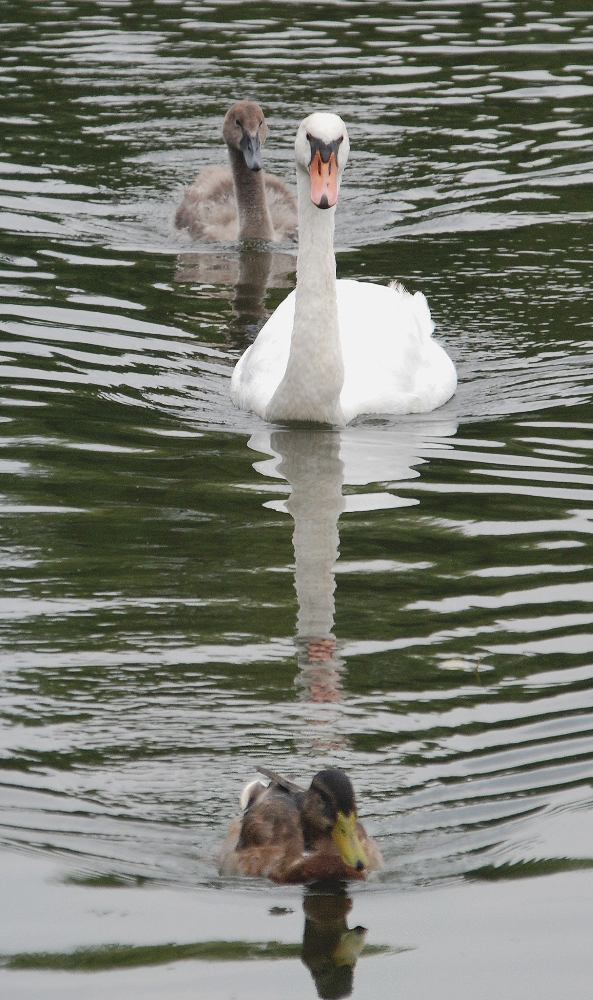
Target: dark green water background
153, 647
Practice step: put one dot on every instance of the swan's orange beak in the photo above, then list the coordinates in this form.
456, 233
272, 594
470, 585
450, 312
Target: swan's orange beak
324, 180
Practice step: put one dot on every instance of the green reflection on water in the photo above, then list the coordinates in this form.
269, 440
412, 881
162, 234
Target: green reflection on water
120, 956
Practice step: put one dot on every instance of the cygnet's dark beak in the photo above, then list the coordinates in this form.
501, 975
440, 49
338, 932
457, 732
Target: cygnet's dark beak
251, 149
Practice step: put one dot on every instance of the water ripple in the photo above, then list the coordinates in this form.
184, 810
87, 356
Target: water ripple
162, 631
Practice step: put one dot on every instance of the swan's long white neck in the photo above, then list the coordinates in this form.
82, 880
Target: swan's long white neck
312, 383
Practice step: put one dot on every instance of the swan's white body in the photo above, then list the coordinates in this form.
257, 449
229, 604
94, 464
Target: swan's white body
334, 350
391, 363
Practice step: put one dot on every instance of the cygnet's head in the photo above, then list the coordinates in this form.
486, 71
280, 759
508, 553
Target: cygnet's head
321, 148
245, 129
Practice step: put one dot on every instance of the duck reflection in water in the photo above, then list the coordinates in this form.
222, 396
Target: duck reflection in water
242, 277
330, 948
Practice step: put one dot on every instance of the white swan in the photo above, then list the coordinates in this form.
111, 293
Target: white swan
333, 350
243, 202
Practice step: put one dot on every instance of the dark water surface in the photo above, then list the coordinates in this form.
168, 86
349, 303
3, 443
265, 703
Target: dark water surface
162, 633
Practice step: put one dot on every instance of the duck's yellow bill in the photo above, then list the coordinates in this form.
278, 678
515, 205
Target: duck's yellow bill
349, 947
345, 837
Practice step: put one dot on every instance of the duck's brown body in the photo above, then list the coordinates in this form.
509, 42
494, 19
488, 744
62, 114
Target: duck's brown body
282, 836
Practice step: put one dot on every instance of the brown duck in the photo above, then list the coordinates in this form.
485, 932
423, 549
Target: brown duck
290, 834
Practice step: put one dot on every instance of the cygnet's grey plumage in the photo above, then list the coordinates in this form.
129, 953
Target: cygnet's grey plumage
241, 202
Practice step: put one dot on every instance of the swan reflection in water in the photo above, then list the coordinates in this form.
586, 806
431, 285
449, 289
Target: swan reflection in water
316, 464
311, 464
243, 277
330, 948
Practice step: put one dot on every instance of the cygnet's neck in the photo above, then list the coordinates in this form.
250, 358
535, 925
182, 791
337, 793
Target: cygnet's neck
255, 222
312, 383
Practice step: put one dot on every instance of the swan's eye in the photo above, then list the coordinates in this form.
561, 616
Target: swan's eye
261, 123
238, 123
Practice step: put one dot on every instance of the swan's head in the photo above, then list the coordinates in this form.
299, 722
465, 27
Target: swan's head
321, 148
245, 129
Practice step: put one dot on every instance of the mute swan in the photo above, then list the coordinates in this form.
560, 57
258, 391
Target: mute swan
243, 202
333, 350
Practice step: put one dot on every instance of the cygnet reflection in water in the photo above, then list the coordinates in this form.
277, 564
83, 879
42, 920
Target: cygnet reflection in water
316, 464
245, 277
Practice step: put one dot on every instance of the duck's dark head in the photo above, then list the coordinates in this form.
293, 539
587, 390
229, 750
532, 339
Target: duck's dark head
329, 809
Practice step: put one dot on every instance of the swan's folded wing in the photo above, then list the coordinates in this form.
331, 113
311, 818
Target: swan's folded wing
391, 362
261, 368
